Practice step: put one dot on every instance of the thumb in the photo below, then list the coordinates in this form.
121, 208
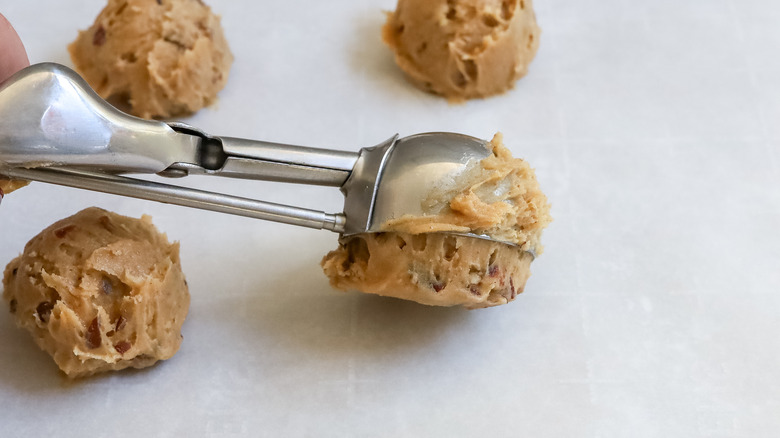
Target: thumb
13, 57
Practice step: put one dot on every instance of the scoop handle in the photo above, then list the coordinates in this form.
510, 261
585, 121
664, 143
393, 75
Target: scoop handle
262, 160
49, 116
286, 163
183, 196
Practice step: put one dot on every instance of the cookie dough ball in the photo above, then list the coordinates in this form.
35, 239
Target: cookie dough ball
99, 292
414, 259
434, 269
9, 185
462, 49
166, 57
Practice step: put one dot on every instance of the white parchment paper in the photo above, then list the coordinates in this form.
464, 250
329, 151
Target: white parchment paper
654, 311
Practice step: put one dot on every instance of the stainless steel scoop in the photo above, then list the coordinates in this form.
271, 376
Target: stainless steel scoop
54, 128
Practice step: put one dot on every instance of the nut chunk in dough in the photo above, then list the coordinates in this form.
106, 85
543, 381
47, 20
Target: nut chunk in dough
166, 57
463, 49
100, 292
414, 259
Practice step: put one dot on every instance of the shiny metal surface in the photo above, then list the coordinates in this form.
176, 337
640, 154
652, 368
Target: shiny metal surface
361, 188
171, 194
50, 116
334, 166
256, 159
413, 166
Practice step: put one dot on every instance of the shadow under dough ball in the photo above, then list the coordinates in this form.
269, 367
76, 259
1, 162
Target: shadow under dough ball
463, 49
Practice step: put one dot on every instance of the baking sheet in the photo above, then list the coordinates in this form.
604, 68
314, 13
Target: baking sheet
653, 311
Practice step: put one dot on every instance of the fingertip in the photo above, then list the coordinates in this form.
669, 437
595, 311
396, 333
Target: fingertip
13, 56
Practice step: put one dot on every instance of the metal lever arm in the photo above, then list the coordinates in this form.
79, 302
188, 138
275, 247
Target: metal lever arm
286, 163
263, 160
183, 196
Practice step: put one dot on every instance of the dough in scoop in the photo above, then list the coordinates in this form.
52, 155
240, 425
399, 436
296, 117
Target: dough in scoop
430, 268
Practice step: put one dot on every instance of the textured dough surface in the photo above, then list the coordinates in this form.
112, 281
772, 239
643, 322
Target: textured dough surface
166, 57
9, 185
432, 268
413, 260
99, 292
463, 49
498, 196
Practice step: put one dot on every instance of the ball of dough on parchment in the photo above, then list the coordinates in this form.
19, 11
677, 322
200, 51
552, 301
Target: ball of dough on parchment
463, 49
165, 57
100, 292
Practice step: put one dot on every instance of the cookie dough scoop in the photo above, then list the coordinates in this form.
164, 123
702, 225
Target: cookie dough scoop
55, 129
438, 218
